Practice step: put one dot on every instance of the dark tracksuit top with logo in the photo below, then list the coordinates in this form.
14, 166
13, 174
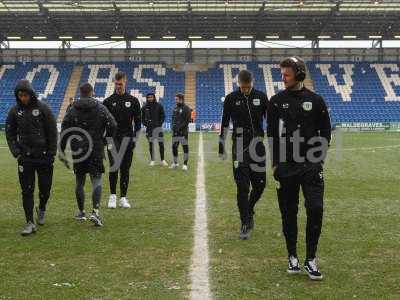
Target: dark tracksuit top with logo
31, 130
247, 114
180, 120
292, 112
125, 110
153, 116
94, 122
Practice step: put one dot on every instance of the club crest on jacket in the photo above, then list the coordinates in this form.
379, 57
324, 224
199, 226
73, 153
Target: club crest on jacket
307, 106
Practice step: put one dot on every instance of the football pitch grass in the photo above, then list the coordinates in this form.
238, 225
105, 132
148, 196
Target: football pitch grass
145, 252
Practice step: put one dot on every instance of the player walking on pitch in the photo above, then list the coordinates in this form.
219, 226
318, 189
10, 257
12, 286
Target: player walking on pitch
126, 110
180, 131
87, 122
153, 117
31, 133
246, 108
300, 131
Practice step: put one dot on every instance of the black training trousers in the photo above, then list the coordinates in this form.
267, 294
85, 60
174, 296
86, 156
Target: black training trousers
311, 182
183, 140
249, 172
27, 172
124, 169
160, 140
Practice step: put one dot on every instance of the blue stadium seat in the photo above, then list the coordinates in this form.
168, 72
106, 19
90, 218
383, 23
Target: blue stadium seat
143, 78
354, 92
49, 80
359, 98
367, 98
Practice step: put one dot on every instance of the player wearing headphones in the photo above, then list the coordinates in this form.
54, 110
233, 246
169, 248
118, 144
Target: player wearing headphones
246, 108
299, 132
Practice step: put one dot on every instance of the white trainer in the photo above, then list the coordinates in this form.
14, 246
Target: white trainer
174, 166
184, 167
112, 201
164, 163
152, 163
123, 203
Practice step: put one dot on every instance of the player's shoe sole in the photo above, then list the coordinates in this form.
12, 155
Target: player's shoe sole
80, 217
96, 221
317, 276
294, 271
33, 230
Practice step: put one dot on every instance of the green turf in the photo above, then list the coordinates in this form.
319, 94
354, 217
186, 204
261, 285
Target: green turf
359, 246
144, 253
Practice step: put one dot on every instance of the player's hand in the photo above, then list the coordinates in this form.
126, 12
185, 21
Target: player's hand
51, 158
135, 139
276, 179
61, 157
222, 156
274, 169
221, 151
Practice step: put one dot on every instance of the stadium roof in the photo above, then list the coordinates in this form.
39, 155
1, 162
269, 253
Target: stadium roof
192, 19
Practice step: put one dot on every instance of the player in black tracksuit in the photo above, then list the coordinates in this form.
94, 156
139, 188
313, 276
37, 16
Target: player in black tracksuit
300, 131
180, 130
126, 111
246, 108
86, 124
153, 117
31, 132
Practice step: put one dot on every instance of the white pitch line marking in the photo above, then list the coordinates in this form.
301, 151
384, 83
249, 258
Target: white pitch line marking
200, 286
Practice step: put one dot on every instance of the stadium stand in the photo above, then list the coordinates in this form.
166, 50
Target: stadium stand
149, 77
215, 83
359, 92
354, 92
70, 91
49, 80
190, 89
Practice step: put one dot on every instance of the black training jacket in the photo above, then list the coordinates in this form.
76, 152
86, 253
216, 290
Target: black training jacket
31, 130
181, 119
153, 116
247, 114
300, 112
126, 111
90, 122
